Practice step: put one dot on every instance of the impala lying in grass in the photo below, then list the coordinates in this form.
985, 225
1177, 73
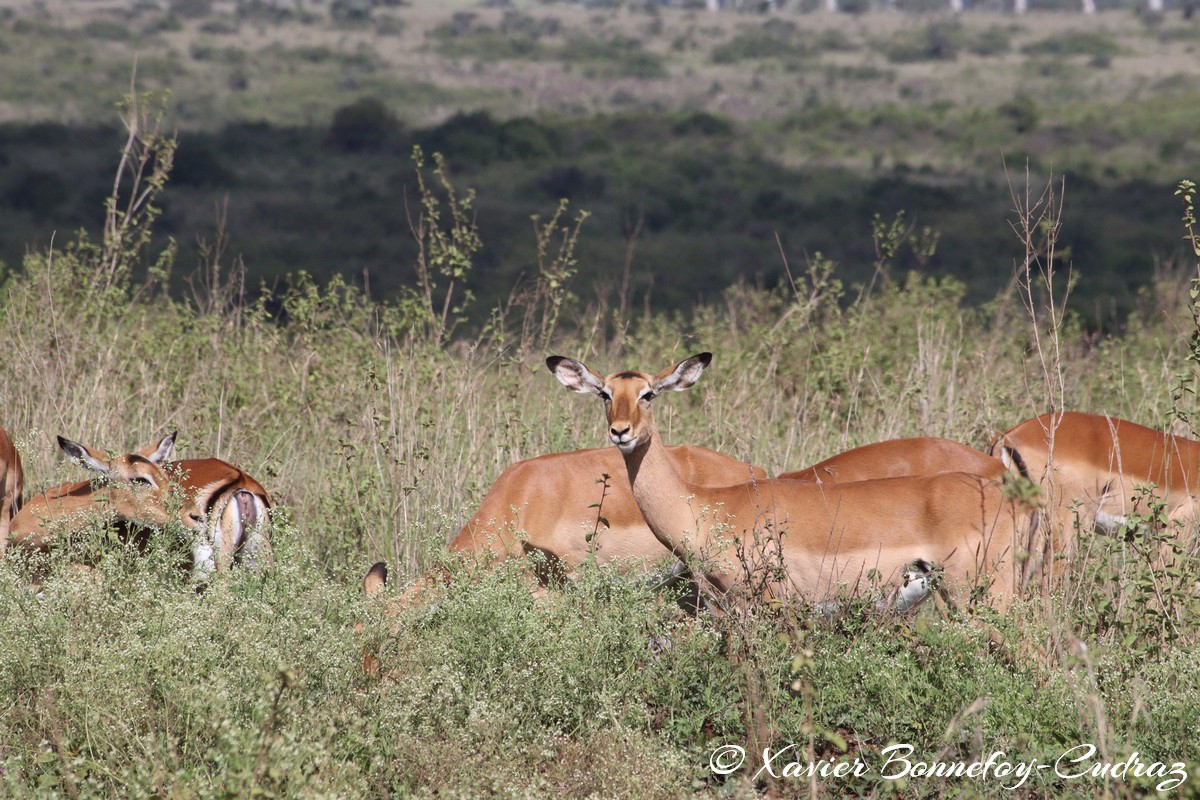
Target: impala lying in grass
814, 540
1092, 465
226, 510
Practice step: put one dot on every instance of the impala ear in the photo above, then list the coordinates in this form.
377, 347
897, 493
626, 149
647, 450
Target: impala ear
683, 375
375, 579
83, 456
158, 453
575, 375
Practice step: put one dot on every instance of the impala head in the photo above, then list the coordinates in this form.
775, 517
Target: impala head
140, 468
627, 395
139, 474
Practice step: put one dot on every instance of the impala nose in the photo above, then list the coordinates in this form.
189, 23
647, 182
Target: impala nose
617, 433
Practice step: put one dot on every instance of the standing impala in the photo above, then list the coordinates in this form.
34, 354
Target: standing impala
12, 484
827, 538
1092, 465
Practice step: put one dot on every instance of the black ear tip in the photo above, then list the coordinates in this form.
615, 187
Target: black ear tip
553, 361
705, 358
62, 442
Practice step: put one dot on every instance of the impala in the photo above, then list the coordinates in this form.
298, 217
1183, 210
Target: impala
548, 504
562, 506
229, 507
133, 490
897, 458
1092, 464
827, 538
12, 484
237, 509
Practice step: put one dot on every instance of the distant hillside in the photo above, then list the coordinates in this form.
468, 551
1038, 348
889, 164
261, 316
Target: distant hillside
707, 134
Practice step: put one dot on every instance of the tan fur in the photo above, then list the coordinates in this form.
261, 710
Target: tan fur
546, 500
897, 458
134, 492
12, 484
1091, 464
235, 505
828, 538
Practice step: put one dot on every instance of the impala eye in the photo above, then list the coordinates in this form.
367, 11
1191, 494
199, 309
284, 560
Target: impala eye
141, 480
646, 396
607, 395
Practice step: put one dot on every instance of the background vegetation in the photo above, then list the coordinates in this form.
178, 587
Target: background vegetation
391, 367
377, 427
713, 140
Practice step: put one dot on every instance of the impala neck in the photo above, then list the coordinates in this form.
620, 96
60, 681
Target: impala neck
662, 495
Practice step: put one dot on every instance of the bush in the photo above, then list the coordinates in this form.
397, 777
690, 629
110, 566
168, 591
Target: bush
364, 125
477, 138
1075, 43
190, 9
939, 41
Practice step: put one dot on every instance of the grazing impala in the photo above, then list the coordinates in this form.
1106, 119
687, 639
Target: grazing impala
1092, 464
229, 506
827, 538
133, 491
12, 484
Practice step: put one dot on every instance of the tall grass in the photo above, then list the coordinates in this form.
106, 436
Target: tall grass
377, 434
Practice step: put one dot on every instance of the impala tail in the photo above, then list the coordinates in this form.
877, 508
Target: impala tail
1010, 456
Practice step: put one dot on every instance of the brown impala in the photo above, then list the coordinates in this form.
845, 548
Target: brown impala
828, 538
12, 484
133, 490
1092, 464
227, 510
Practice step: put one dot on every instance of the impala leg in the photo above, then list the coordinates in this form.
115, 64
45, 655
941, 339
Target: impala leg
203, 553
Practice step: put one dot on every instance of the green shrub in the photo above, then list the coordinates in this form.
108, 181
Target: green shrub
1075, 43
612, 57
938, 41
363, 125
1021, 112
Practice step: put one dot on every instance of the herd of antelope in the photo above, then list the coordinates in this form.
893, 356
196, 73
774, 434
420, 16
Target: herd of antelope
896, 517
225, 511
